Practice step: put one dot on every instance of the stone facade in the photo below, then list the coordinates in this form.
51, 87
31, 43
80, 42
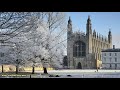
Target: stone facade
111, 58
84, 49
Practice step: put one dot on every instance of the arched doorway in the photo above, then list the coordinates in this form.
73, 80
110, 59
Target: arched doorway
79, 66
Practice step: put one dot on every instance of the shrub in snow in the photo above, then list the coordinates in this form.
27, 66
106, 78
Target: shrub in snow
69, 75
51, 76
57, 76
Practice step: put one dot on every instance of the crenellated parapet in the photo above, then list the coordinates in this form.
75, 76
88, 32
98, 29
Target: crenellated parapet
79, 33
99, 36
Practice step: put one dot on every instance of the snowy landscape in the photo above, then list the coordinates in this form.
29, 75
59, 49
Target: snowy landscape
32, 39
86, 73
34, 45
70, 74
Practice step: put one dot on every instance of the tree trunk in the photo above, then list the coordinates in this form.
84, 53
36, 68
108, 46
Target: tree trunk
17, 69
2, 69
33, 70
97, 69
45, 70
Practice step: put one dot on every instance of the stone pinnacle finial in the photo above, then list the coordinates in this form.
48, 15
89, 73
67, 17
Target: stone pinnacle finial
109, 31
89, 20
69, 17
69, 21
88, 16
97, 35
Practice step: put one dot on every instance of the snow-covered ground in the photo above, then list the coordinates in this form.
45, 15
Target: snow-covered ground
77, 74
85, 73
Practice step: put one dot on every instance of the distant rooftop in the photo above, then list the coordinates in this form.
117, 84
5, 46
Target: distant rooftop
112, 50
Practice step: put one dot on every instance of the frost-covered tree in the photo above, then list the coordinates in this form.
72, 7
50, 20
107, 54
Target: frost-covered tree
11, 25
38, 38
55, 31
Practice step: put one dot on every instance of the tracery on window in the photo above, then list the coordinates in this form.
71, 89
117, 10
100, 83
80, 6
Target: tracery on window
79, 49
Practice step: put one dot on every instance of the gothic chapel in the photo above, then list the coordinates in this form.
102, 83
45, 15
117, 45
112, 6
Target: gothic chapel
84, 50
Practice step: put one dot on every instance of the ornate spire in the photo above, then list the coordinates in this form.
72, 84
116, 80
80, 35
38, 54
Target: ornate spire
109, 31
69, 26
89, 20
95, 32
89, 26
97, 35
89, 17
110, 36
70, 21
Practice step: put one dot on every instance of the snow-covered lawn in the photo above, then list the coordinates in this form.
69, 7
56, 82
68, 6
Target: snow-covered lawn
76, 74
85, 73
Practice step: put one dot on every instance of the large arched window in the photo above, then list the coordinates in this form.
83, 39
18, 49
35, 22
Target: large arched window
79, 49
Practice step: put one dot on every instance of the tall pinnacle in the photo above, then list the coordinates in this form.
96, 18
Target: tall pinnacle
88, 16
109, 31
89, 20
70, 21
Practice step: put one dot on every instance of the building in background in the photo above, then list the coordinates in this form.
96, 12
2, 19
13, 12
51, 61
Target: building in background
84, 49
111, 58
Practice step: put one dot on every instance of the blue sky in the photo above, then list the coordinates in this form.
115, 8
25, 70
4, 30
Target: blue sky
101, 22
